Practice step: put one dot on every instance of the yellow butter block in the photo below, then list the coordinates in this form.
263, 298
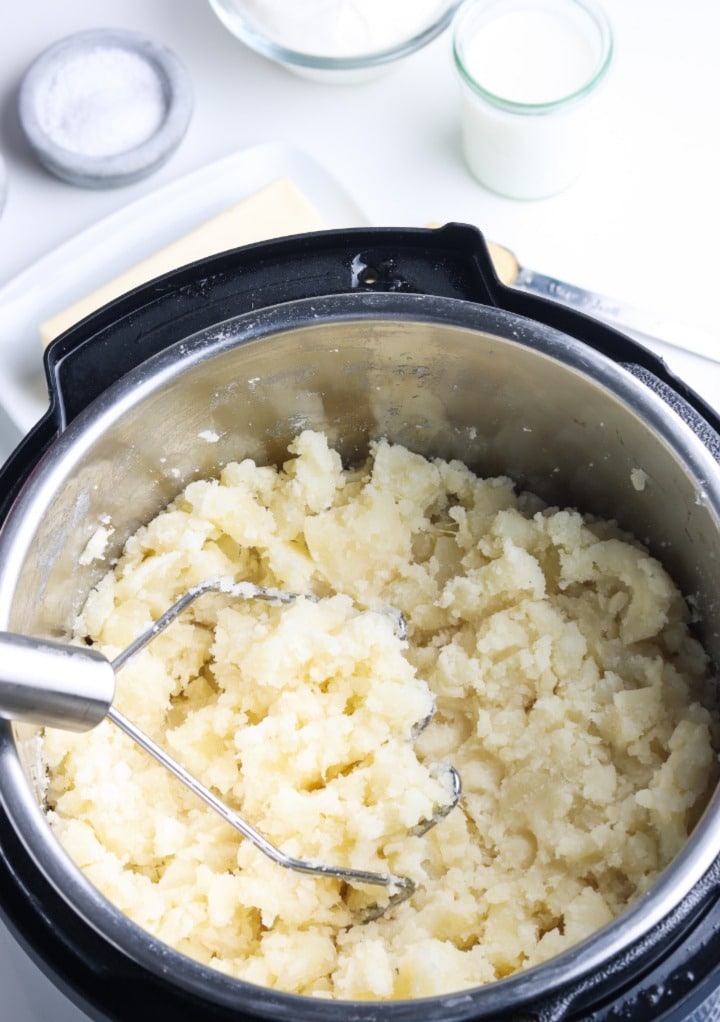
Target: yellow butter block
276, 210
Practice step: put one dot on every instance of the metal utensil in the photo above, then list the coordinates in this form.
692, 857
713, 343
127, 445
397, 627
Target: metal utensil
73, 687
639, 323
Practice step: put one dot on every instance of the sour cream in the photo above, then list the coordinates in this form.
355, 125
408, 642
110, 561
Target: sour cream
339, 28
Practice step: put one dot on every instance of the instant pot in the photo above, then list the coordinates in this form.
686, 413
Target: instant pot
401, 333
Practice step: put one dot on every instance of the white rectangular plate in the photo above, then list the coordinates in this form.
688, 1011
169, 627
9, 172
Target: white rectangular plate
121, 240
134, 232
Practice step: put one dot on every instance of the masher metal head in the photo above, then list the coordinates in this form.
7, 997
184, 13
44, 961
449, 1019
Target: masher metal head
73, 687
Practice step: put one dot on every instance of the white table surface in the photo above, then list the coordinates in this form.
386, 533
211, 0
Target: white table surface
642, 224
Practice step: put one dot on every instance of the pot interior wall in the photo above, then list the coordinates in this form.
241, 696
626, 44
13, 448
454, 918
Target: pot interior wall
499, 404
502, 395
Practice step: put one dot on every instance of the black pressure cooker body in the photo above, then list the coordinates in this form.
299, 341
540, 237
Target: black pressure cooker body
443, 278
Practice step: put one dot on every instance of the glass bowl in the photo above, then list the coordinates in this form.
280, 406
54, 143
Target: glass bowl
353, 43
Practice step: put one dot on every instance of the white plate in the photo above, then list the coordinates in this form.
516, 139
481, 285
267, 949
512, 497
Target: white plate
121, 240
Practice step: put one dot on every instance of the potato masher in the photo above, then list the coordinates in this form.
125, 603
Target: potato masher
72, 687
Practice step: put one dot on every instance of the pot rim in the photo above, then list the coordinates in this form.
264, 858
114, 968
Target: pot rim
28, 819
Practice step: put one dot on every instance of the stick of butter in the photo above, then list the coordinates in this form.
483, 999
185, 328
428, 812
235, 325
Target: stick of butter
276, 210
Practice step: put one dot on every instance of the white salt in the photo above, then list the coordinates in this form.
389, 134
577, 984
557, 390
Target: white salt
103, 102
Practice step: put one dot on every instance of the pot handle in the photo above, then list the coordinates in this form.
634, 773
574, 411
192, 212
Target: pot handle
451, 261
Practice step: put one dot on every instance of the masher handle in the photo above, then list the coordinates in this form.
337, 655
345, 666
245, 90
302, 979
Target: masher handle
54, 684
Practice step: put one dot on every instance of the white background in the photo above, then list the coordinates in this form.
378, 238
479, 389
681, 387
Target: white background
642, 224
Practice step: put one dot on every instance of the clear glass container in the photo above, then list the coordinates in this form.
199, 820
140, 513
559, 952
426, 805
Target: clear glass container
529, 72
336, 44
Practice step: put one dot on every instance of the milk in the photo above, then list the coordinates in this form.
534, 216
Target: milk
529, 72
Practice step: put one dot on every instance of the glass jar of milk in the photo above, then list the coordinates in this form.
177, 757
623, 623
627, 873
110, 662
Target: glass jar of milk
529, 70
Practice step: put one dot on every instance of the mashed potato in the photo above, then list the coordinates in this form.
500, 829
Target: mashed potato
566, 687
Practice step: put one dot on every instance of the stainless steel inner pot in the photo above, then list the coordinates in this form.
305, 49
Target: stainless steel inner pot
502, 393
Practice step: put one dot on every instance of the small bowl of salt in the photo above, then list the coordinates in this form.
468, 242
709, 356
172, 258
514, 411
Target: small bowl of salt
105, 107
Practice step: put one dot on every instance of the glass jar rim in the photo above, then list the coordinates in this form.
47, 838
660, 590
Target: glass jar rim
604, 35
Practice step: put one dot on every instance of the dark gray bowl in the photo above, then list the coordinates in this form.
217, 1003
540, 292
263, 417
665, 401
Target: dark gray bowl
52, 83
